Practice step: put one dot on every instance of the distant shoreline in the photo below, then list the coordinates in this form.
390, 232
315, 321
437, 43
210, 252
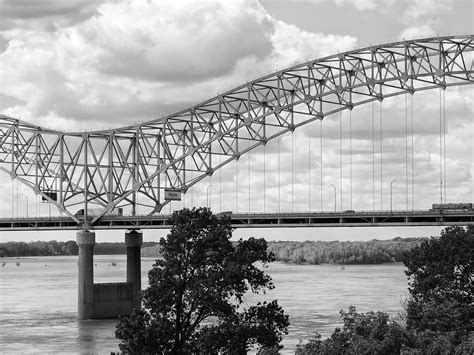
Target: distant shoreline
335, 264
12, 259
289, 252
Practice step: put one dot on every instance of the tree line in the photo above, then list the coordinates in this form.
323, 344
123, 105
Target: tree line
38, 248
337, 252
333, 252
308, 252
53, 247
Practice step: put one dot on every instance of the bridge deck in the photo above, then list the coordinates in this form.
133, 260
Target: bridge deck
258, 220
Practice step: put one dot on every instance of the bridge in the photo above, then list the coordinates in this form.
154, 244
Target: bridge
123, 178
260, 220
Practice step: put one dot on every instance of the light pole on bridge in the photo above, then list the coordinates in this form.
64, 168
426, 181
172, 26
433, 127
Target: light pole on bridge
26, 198
207, 195
391, 194
335, 206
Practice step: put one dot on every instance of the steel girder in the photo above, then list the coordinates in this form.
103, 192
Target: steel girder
132, 166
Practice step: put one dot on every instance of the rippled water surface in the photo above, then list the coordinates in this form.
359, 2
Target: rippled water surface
38, 300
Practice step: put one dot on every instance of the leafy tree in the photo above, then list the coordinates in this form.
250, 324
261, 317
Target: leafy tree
362, 333
439, 313
441, 285
203, 278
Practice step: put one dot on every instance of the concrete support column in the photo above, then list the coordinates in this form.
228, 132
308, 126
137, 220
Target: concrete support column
85, 242
134, 240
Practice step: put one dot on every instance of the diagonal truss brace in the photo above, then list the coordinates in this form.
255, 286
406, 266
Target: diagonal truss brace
132, 166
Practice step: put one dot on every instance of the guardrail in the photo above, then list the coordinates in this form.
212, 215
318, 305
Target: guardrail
257, 220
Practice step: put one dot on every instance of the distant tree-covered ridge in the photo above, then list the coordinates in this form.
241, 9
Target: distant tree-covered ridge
115, 248
309, 252
153, 251
53, 247
38, 248
336, 252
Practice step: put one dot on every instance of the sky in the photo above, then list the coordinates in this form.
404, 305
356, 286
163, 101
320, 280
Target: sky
85, 65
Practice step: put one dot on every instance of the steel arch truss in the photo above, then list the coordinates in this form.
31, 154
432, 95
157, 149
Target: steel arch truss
132, 166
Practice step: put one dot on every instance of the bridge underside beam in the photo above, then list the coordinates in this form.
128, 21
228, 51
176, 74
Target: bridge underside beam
283, 220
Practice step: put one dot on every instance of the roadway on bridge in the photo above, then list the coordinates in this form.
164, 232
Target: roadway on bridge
258, 220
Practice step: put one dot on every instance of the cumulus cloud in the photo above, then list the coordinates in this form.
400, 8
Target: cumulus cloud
427, 10
417, 32
422, 16
46, 14
113, 69
359, 4
292, 45
177, 40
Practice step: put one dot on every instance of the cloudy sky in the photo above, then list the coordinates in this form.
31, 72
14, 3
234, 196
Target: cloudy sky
77, 65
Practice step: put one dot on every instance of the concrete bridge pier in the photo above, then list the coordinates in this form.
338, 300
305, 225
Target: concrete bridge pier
85, 242
107, 300
134, 240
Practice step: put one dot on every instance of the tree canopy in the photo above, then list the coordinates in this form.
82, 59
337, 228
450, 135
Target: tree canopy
362, 333
439, 318
441, 282
194, 302
343, 252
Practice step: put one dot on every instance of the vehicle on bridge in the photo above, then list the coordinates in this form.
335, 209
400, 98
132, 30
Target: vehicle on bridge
94, 212
224, 214
438, 207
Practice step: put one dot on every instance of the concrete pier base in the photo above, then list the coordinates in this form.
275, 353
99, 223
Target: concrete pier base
134, 240
108, 300
85, 242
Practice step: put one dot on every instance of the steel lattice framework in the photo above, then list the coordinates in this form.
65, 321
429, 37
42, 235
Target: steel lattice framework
133, 165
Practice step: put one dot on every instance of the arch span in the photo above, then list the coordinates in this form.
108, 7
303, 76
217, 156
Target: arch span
134, 165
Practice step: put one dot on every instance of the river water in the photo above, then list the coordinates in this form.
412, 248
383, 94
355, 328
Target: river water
38, 300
